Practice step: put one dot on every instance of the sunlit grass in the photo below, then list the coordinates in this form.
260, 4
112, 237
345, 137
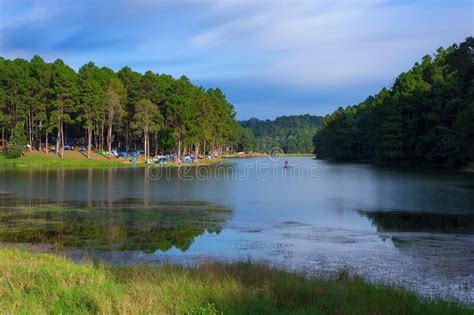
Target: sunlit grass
41, 283
54, 161
57, 162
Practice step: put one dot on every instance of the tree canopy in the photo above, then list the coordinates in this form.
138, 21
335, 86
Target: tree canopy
292, 134
97, 107
426, 117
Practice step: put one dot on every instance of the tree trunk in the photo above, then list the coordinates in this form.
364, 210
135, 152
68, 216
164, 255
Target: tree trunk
89, 142
101, 137
58, 138
179, 149
204, 149
46, 142
62, 141
109, 133
196, 150
145, 140
40, 128
30, 137
3, 137
109, 137
126, 136
96, 135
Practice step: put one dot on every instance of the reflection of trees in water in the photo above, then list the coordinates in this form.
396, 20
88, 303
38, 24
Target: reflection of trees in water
123, 225
443, 248
397, 221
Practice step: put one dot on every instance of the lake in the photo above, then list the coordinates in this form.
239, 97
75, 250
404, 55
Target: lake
412, 227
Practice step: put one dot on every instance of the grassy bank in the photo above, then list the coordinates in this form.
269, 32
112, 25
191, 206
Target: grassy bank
41, 283
54, 161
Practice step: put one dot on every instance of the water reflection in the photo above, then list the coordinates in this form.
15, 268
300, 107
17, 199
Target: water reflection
402, 221
126, 224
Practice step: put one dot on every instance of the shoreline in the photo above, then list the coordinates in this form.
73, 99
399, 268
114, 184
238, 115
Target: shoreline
466, 168
76, 160
255, 155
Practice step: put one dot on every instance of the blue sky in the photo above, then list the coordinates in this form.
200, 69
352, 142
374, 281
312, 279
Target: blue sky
271, 58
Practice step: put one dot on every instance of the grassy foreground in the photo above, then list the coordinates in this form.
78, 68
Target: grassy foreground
42, 283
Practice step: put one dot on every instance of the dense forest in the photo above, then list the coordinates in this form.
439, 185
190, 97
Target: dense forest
292, 134
426, 117
50, 106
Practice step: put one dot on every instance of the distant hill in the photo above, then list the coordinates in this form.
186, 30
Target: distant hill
293, 134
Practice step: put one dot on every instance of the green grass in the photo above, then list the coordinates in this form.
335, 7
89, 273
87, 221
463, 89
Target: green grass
53, 161
57, 162
42, 283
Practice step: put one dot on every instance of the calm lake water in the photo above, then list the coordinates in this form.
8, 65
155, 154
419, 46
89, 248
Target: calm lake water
409, 227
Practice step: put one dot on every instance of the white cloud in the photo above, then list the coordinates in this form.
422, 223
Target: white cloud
37, 12
302, 43
323, 43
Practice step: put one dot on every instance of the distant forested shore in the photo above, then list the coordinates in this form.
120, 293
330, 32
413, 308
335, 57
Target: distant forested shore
50, 107
426, 117
291, 134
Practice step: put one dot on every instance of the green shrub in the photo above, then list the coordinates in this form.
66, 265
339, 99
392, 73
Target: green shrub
17, 141
14, 151
18, 135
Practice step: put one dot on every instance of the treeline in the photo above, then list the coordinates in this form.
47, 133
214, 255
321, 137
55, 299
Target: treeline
292, 134
41, 102
427, 117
